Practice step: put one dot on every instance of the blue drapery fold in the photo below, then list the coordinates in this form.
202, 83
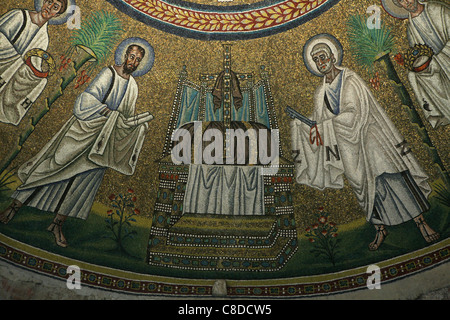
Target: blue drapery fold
261, 107
190, 109
189, 105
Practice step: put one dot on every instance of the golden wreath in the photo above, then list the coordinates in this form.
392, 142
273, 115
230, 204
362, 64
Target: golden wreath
418, 58
43, 55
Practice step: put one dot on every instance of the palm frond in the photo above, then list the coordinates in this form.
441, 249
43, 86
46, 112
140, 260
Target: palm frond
367, 44
99, 32
442, 193
6, 180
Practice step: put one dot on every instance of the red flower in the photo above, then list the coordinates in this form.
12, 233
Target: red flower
109, 212
334, 235
332, 224
322, 219
312, 240
399, 58
320, 209
130, 191
308, 229
112, 197
137, 211
315, 226
324, 232
133, 199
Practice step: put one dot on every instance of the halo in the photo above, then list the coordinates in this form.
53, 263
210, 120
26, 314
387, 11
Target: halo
331, 41
146, 63
393, 10
59, 19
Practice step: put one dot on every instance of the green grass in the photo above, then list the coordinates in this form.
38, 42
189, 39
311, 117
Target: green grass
88, 243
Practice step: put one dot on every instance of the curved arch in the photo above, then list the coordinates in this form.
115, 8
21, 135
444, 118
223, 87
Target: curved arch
207, 22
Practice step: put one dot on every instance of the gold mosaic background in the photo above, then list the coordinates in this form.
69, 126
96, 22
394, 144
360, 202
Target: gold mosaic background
291, 85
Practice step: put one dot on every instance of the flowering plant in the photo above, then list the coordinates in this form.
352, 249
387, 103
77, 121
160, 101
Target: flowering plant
323, 236
400, 59
120, 218
375, 81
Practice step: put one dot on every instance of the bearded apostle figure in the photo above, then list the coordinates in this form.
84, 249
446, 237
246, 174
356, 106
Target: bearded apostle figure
103, 132
428, 25
360, 142
24, 63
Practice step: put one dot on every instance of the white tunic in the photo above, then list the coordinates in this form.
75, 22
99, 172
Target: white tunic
359, 141
432, 85
19, 86
65, 175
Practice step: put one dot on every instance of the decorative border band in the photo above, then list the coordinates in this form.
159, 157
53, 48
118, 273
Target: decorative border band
134, 283
221, 22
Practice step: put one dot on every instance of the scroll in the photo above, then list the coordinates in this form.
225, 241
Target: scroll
138, 119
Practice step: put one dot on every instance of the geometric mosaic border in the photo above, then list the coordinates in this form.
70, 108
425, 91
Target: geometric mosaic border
348, 283
124, 282
53, 265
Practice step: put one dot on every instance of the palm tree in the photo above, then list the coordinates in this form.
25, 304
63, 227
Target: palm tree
93, 42
375, 45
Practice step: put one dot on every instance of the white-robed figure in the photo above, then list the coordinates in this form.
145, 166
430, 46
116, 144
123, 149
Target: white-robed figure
24, 62
428, 24
359, 142
103, 132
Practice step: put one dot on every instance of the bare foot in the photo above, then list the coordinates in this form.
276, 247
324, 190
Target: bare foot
10, 212
379, 237
428, 234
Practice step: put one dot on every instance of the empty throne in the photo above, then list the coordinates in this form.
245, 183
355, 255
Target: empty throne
229, 216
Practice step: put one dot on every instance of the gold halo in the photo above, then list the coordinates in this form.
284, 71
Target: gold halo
394, 11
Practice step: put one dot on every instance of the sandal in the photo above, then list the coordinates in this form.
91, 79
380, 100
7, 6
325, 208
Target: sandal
10, 212
379, 237
424, 228
59, 237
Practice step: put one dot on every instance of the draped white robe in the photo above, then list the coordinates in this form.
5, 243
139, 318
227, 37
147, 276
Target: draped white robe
86, 145
432, 85
222, 189
19, 86
359, 142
